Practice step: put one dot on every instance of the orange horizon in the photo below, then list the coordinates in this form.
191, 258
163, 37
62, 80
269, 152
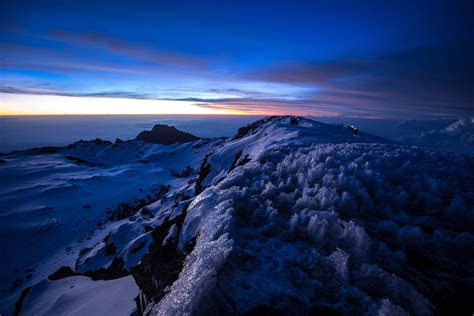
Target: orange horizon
53, 105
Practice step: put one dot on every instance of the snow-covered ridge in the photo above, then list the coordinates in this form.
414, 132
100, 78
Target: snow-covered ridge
458, 137
290, 216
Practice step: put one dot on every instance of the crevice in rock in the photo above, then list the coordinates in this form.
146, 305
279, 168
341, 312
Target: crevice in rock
204, 170
21, 299
159, 268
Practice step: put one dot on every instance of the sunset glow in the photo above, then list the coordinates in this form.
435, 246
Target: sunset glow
26, 104
168, 58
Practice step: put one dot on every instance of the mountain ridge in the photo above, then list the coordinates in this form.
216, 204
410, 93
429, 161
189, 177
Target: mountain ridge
288, 214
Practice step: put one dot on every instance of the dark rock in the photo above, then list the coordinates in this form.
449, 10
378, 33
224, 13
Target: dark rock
263, 310
243, 131
161, 265
21, 299
49, 150
110, 249
245, 160
187, 171
79, 161
96, 141
164, 134
61, 273
17, 283
99, 141
238, 162
145, 212
234, 163
125, 210
204, 170
319, 310
137, 247
83, 251
114, 271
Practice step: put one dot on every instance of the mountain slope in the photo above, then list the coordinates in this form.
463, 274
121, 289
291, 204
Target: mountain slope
290, 216
458, 137
56, 202
307, 225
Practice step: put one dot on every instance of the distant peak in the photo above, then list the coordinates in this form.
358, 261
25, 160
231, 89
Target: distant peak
165, 135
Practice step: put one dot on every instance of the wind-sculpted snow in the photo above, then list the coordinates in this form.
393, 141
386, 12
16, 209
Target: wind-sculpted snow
355, 228
290, 216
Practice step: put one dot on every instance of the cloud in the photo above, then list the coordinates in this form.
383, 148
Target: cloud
238, 104
104, 94
319, 74
425, 82
133, 50
36, 58
429, 81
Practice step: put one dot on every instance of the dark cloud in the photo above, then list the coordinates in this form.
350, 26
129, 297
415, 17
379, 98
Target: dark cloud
105, 94
429, 81
426, 82
314, 73
133, 50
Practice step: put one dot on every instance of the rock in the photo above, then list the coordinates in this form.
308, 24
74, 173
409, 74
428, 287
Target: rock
62, 273
21, 299
165, 135
204, 170
49, 150
79, 161
114, 271
110, 249
161, 265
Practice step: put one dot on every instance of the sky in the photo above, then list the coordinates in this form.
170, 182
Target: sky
369, 59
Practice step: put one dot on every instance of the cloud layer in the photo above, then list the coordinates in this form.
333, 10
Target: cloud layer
225, 57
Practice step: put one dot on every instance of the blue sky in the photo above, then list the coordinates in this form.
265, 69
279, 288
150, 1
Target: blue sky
382, 59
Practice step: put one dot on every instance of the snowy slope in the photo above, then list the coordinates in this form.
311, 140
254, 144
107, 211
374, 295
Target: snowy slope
290, 216
55, 205
308, 225
79, 295
458, 137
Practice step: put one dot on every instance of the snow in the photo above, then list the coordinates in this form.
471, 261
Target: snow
80, 295
306, 218
457, 137
52, 208
296, 217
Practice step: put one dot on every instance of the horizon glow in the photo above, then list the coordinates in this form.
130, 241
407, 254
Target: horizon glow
25, 104
408, 59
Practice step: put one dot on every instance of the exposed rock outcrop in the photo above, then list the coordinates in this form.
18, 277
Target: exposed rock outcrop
165, 135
